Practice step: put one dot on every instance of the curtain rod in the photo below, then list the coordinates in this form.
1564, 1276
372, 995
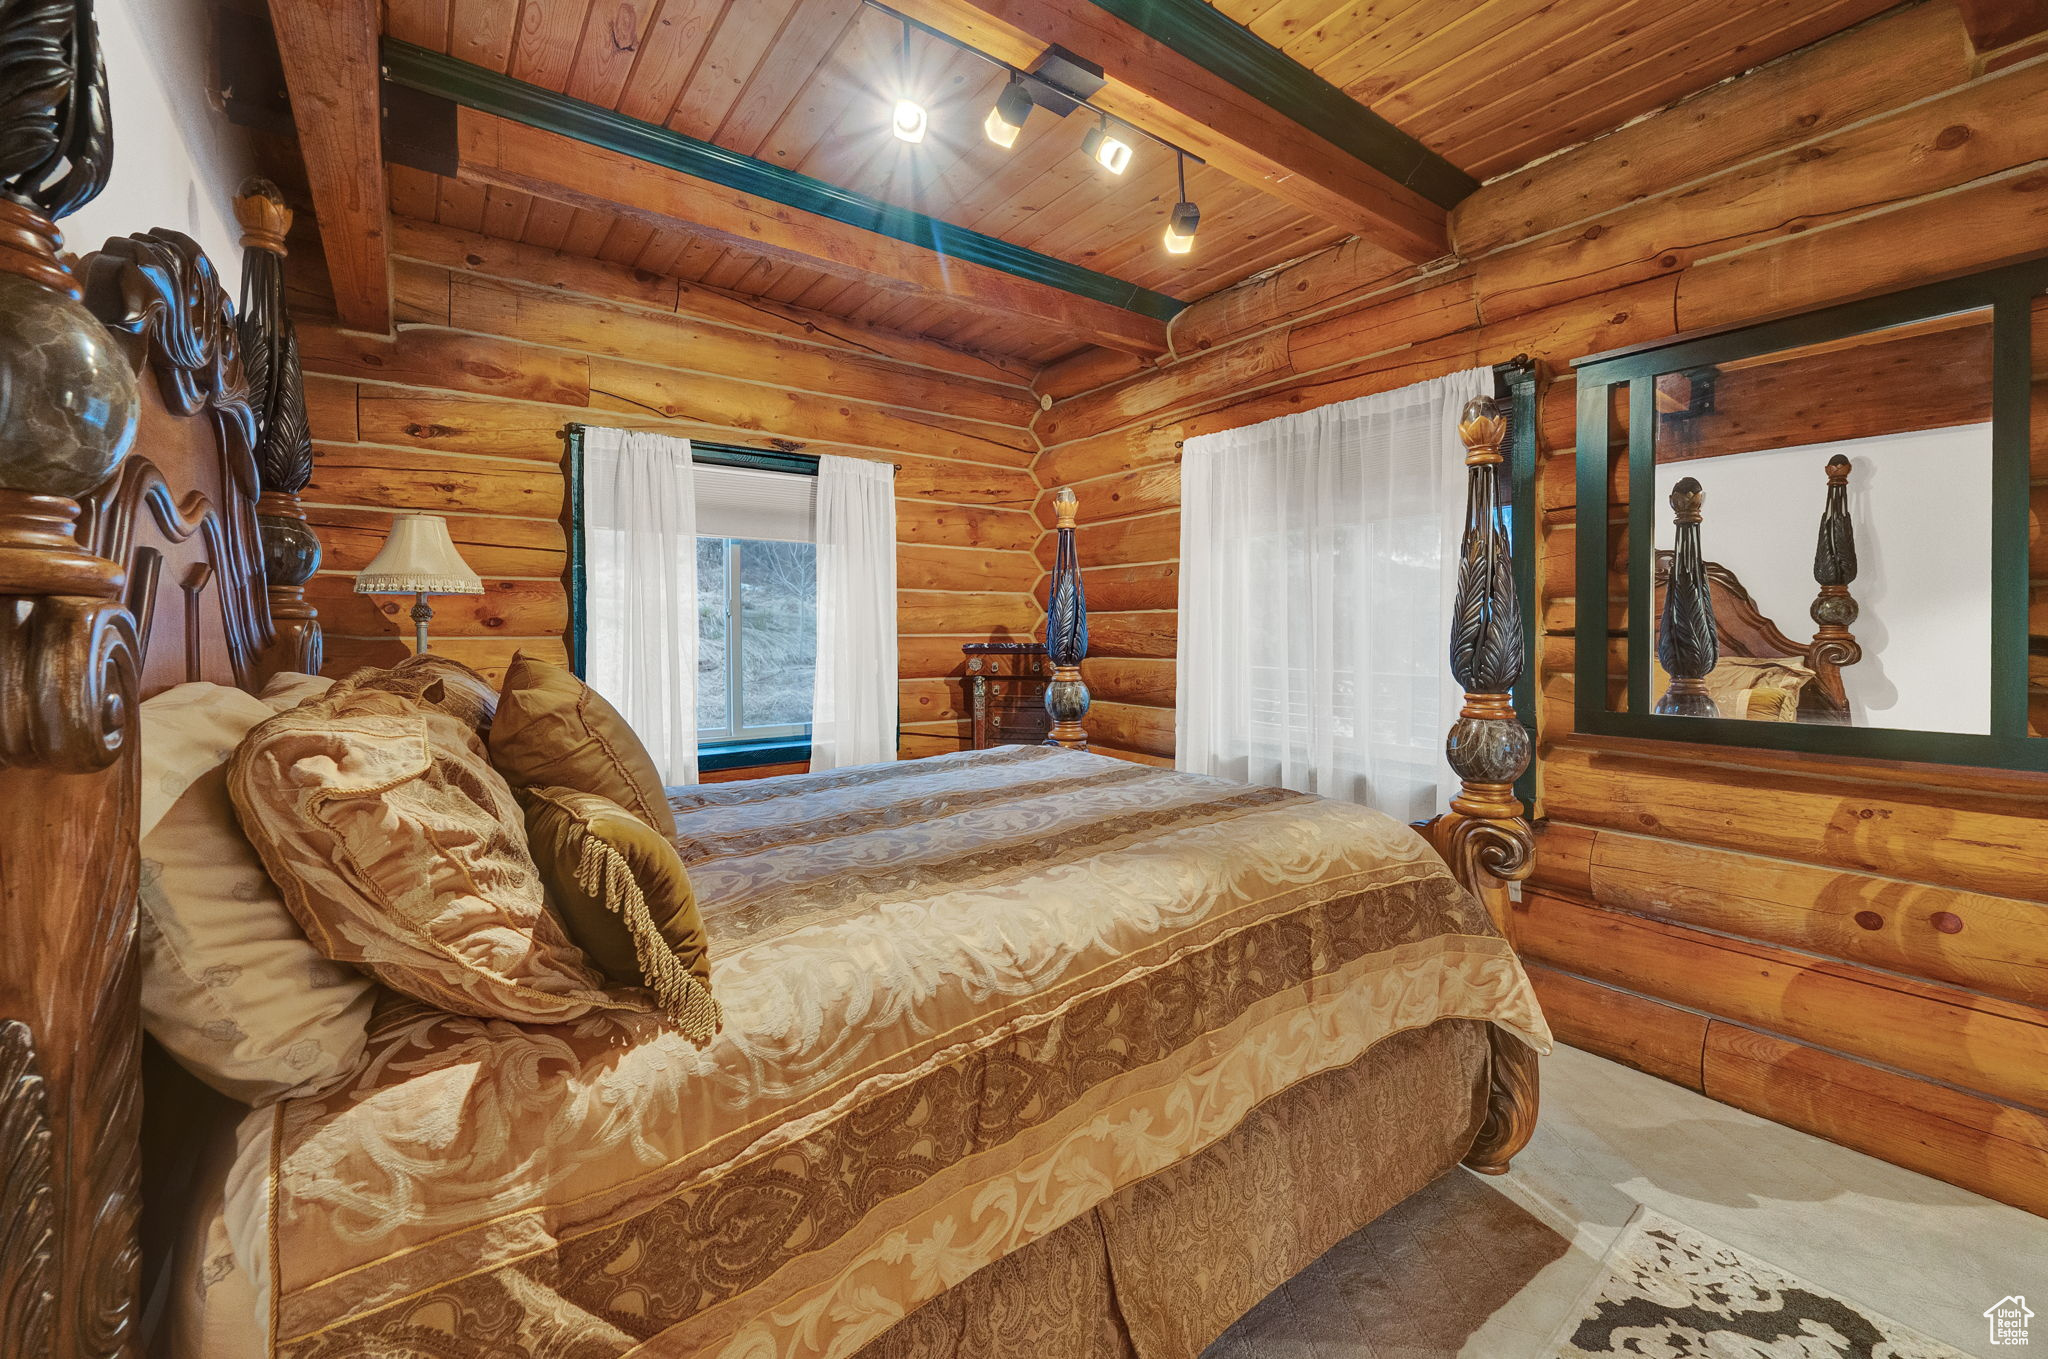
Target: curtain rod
577, 427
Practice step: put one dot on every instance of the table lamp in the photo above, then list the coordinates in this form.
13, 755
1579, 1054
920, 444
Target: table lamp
419, 559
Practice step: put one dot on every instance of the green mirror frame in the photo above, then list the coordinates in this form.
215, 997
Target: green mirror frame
2009, 293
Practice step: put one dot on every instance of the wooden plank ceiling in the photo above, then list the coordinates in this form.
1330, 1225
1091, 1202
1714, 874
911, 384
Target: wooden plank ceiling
809, 85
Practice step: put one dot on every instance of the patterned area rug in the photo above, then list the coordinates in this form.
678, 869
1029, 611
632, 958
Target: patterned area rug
1669, 1292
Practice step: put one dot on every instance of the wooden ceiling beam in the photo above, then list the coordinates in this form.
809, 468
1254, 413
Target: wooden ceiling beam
1382, 186
496, 150
330, 58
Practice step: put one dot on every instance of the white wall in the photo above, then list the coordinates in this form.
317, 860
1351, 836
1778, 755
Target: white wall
177, 159
1921, 503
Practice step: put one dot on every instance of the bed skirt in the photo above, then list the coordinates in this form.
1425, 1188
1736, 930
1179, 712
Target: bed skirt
1162, 1268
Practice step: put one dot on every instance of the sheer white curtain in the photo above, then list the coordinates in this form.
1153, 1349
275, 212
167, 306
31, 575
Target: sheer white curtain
640, 595
1318, 568
853, 703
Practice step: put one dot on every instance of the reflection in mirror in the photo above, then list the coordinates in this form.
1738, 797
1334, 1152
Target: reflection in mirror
2037, 525
1823, 532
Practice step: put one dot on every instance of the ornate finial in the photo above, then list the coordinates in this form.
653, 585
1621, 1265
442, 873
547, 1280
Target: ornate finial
1686, 498
1066, 507
56, 136
265, 219
1688, 646
1834, 567
1482, 427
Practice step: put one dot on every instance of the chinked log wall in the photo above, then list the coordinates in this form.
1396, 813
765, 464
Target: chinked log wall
1856, 949
500, 345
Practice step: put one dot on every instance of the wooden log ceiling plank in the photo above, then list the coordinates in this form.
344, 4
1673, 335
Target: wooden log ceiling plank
1154, 87
495, 150
1996, 23
329, 53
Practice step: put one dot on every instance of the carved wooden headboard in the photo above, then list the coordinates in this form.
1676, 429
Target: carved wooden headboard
151, 450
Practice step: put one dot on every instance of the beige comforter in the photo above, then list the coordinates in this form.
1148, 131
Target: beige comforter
967, 999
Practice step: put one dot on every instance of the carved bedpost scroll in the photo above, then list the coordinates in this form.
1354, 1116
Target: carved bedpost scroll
1834, 609
1066, 634
1687, 645
284, 450
70, 1035
1484, 837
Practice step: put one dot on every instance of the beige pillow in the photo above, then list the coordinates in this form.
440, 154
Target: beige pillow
401, 850
230, 985
290, 688
436, 682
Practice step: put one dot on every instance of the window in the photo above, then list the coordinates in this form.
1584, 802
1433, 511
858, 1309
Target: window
757, 633
757, 602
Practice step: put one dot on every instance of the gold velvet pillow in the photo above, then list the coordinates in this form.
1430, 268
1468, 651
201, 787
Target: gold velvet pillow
398, 848
555, 731
436, 682
622, 891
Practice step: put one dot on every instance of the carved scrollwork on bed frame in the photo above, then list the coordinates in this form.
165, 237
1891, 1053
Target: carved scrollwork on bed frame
284, 457
74, 580
1484, 837
160, 287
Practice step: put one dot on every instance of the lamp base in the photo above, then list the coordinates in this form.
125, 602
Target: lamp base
422, 612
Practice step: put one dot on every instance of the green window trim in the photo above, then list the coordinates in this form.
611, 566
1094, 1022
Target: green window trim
713, 755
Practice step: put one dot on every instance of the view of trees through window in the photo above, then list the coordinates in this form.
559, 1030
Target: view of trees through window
757, 637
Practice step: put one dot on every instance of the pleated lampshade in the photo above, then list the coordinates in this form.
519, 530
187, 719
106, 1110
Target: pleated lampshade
418, 558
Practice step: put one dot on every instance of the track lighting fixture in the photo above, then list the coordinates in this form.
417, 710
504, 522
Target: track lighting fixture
1180, 228
1007, 118
911, 120
1111, 153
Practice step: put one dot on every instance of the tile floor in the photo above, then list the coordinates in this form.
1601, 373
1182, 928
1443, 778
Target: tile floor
1488, 1269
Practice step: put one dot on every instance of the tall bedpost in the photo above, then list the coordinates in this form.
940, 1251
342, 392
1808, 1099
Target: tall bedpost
1688, 645
284, 450
1066, 633
1834, 567
70, 1034
1484, 837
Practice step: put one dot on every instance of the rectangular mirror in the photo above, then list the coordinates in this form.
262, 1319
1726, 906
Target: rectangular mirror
1818, 533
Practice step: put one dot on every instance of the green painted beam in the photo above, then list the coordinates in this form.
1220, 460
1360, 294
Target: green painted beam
1213, 40
489, 91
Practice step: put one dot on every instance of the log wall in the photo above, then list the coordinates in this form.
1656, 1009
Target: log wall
1854, 948
500, 345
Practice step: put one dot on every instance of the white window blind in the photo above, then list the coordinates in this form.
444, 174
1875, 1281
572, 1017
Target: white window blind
739, 502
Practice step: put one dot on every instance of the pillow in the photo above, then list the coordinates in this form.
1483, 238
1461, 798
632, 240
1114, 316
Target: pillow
290, 688
436, 682
553, 730
231, 986
624, 895
401, 850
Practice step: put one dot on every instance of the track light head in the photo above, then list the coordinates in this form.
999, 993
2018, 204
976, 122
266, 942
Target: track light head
910, 121
1111, 153
1180, 228
1007, 118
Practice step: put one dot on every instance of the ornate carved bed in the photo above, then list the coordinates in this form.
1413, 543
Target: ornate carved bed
1711, 622
152, 445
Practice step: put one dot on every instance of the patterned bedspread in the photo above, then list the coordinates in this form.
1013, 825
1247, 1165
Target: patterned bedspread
966, 998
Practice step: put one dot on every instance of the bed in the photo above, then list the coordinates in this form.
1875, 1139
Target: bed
1027, 1051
